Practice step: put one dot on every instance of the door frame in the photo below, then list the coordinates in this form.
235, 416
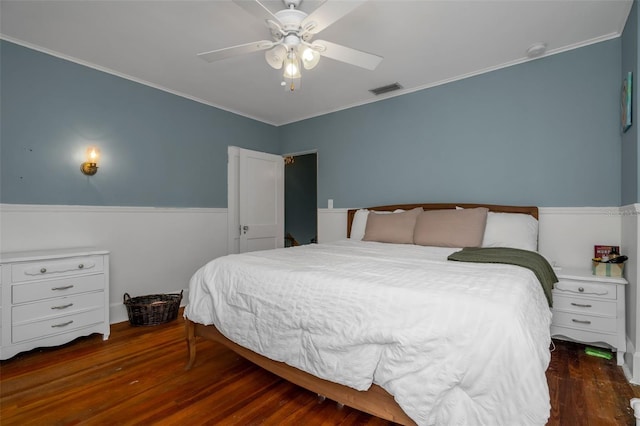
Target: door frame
233, 199
295, 154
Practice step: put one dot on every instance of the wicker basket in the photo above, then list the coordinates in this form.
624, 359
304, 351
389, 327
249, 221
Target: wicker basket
153, 309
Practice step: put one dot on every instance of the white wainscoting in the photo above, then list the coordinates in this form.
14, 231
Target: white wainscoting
153, 250
332, 225
630, 216
567, 234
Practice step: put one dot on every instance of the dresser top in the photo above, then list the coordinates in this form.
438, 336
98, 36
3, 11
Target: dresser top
586, 274
23, 256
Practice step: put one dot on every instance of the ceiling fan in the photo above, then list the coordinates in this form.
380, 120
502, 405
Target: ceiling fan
292, 31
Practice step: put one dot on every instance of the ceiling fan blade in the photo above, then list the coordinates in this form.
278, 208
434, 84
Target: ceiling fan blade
346, 54
257, 9
229, 52
328, 13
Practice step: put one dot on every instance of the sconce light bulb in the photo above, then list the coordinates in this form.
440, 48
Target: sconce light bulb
90, 166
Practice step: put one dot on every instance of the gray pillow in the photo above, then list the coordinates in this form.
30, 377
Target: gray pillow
451, 228
394, 228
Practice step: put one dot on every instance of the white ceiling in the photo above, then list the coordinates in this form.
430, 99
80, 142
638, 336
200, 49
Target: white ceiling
424, 43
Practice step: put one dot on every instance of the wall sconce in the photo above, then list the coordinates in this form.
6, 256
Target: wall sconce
90, 167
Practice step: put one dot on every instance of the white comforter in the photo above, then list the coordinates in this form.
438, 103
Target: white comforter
455, 343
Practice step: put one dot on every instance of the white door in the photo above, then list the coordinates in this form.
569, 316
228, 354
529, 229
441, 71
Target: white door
256, 200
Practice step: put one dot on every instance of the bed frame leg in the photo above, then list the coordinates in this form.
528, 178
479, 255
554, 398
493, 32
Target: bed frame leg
190, 334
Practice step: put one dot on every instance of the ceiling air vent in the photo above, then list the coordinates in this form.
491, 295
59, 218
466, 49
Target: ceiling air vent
386, 89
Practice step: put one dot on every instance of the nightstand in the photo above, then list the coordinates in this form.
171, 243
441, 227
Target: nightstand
590, 309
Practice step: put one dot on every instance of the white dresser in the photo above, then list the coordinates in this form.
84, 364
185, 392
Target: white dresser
51, 297
590, 309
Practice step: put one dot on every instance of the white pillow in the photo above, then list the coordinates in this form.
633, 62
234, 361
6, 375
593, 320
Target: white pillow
515, 230
359, 223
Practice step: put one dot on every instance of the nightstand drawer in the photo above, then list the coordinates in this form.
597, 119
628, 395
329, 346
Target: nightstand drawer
55, 288
35, 330
585, 288
31, 271
584, 306
584, 322
52, 308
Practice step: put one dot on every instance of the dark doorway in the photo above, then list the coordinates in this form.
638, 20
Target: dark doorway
301, 199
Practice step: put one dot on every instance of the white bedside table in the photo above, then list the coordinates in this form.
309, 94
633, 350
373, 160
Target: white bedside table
590, 309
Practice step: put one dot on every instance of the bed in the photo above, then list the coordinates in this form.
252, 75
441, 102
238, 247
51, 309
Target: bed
395, 330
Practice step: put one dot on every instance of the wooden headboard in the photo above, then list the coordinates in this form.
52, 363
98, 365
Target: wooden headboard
531, 210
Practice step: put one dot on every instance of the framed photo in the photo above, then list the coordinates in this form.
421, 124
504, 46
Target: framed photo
625, 104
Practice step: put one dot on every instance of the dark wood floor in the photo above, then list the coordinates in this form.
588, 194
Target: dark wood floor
137, 377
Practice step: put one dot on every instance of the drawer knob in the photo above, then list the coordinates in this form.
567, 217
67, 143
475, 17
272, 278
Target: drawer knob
80, 266
581, 321
43, 270
580, 289
580, 305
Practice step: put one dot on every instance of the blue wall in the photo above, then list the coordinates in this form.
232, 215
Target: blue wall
158, 149
545, 132
631, 138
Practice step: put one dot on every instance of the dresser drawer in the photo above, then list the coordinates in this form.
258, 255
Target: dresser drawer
30, 292
57, 307
35, 330
31, 271
584, 322
584, 306
585, 288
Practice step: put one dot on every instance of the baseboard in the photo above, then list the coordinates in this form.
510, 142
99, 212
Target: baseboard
629, 367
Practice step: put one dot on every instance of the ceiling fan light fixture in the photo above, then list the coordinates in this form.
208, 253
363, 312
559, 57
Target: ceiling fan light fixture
292, 66
292, 70
292, 31
310, 58
275, 57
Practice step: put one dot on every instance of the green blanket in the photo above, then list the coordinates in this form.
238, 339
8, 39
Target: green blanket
524, 258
